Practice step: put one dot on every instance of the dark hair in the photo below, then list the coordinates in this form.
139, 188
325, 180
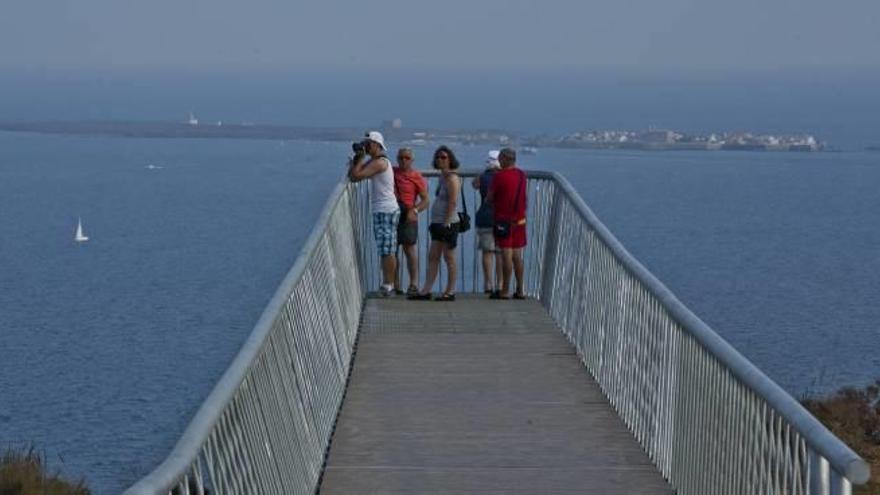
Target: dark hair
508, 154
453, 161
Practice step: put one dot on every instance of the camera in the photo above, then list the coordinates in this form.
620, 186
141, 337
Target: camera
359, 147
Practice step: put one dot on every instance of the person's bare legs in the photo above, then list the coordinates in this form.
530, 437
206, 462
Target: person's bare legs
451, 268
389, 269
412, 264
396, 272
488, 278
517, 256
506, 270
499, 262
434, 253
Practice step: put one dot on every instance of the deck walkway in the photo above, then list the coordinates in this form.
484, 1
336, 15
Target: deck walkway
477, 396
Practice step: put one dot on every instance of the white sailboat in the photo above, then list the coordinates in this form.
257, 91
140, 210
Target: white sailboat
80, 237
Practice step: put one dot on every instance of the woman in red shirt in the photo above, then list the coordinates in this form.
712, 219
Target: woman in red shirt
507, 194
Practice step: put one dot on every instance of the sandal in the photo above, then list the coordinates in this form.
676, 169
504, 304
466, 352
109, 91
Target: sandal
412, 290
495, 294
420, 297
445, 297
519, 296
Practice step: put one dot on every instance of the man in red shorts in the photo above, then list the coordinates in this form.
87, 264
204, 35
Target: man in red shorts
507, 194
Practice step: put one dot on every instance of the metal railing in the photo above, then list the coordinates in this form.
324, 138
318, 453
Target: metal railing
707, 417
266, 425
709, 420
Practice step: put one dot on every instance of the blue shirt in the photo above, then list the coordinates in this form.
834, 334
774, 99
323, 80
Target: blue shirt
485, 214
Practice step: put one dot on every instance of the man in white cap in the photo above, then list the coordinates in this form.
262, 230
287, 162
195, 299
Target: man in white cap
485, 222
383, 202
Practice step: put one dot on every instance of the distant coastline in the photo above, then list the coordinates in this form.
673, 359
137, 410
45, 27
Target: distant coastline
649, 140
664, 139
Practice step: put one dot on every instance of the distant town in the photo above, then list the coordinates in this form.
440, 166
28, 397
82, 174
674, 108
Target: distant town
652, 139
649, 140
664, 139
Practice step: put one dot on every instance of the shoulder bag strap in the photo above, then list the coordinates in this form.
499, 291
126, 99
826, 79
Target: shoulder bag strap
461, 190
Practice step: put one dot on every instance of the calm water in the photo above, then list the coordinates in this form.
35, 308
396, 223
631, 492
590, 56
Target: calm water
108, 348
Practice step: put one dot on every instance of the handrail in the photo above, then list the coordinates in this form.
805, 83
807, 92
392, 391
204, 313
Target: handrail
169, 473
288, 379
710, 420
840, 456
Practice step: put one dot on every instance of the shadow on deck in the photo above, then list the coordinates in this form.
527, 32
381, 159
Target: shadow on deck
477, 396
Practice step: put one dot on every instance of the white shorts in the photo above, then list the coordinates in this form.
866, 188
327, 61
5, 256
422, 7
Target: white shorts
486, 240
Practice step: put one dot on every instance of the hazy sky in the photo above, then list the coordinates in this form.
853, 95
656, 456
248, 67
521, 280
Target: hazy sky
641, 34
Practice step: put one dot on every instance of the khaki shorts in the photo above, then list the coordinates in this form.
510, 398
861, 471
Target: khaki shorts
486, 240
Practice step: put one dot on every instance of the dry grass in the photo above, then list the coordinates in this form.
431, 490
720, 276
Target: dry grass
854, 416
24, 473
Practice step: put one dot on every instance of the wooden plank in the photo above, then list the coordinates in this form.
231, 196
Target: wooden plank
477, 396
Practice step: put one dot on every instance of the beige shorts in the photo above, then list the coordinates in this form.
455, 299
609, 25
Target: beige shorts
486, 240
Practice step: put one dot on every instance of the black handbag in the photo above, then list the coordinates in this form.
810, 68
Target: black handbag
464, 220
501, 229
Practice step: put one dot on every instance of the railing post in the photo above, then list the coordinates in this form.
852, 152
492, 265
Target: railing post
551, 249
820, 475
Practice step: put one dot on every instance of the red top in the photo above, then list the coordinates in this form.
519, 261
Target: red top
503, 191
407, 186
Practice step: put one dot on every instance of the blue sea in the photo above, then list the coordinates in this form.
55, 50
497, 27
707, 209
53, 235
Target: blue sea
108, 348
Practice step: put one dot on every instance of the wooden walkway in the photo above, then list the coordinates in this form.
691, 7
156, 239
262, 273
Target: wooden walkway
477, 396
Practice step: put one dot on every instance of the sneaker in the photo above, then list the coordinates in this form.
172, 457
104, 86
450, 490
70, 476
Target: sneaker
385, 291
412, 289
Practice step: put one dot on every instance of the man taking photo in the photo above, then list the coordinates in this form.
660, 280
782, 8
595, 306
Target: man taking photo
370, 162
